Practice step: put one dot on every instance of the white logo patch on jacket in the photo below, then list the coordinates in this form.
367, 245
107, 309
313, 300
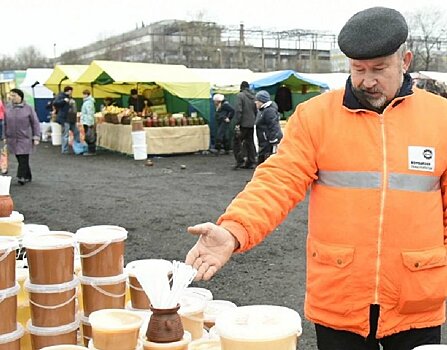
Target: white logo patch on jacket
421, 158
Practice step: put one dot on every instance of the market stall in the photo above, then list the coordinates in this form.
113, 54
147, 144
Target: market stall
40, 94
168, 91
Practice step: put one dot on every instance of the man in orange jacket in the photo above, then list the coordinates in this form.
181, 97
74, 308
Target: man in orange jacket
375, 158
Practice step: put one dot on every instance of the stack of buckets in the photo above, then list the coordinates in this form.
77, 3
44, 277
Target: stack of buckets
138, 140
52, 289
103, 280
10, 330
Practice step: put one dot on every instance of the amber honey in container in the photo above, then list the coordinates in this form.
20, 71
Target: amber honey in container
11, 341
8, 309
137, 124
50, 257
8, 246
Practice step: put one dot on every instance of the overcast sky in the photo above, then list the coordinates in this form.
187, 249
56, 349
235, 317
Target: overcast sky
60, 25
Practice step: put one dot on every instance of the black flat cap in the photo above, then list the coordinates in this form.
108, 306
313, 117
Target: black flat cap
371, 33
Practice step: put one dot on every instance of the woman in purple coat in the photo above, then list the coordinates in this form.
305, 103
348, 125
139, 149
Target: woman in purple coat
22, 133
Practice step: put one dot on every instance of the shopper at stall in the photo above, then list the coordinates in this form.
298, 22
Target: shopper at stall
245, 114
88, 122
268, 129
66, 116
374, 156
137, 101
22, 133
224, 114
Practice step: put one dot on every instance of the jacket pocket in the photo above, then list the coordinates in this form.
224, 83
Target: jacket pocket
424, 281
329, 276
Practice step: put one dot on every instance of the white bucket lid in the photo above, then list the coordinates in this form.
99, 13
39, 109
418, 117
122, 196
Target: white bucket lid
51, 288
35, 229
213, 333
15, 216
63, 347
9, 292
431, 347
8, 244
115, 319
203, 292
214, 308
148, 265
258, 322
101, 234
191, 304
49, 240
50, 331
13, 336
103, 281
91, 346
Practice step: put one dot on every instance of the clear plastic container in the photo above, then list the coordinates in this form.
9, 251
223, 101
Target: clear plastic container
48, 336
52, 305
205, 344
178, 345
191, 311
102, 250
203, 292
215, 308
11, 341
50, 257
64, 347
8, 309
12, 225
103, 293
259, 327
115, 329
8, 246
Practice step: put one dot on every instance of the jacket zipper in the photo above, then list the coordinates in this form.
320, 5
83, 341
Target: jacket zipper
382, 209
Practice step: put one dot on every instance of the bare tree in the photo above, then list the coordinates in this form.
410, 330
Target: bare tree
427, 35
7, 63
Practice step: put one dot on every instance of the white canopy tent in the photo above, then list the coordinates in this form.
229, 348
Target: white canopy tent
39, 76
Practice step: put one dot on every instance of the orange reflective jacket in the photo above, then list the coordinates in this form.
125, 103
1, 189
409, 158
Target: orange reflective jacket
377, 209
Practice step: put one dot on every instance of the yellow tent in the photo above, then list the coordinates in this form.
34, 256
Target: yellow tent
121, 77
66, 75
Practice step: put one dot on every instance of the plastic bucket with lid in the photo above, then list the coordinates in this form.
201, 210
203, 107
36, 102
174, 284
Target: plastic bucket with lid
8, 246
52, 305
144, 314
139, 138
139, 152
8, 309
102, 250
205, 344
103, 293
50, 257
12, 225
86, 329
47, 336
259, 327
214, 308
178, 345
11, 341
138, 296
203, 292
191, 312
115, 329
33, 229
56, 134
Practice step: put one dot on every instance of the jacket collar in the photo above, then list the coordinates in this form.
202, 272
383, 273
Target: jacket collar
351, 102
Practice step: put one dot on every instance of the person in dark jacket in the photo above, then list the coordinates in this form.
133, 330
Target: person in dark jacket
268, 129
137, 101
224, 114
66, 116
22, 133
245, 115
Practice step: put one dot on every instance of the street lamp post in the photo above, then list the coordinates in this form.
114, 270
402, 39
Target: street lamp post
219, 52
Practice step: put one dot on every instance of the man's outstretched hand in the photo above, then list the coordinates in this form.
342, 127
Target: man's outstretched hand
212, 250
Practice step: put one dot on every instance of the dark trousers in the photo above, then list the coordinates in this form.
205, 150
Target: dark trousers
244, 146
222, 139
331, 339
23, 170
91, 145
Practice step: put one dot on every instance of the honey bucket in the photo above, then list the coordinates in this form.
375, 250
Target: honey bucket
52, 305
191, 311
48, 336
101, 250
50, 257
213, 309
103, 293
259, 327
11, 341
8, 309
8, 246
